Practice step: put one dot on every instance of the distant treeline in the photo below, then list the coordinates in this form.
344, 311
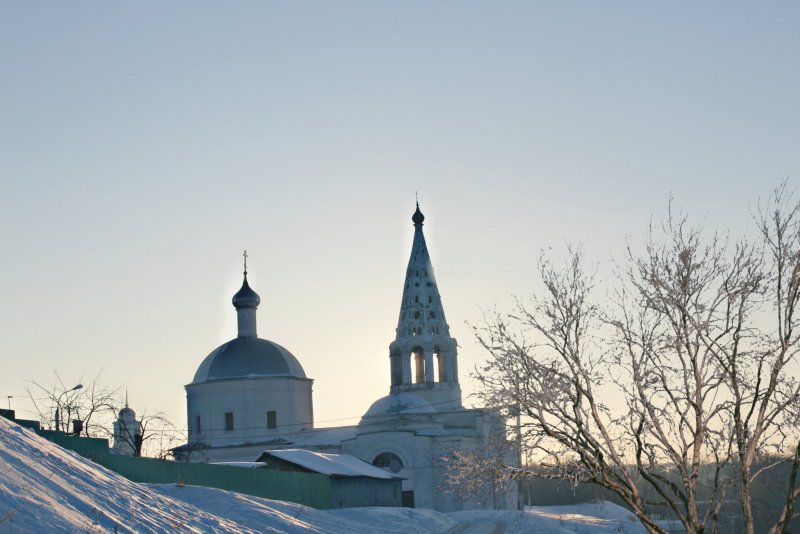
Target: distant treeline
768, 491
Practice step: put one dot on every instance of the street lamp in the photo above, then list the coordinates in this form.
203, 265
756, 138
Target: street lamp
58, 406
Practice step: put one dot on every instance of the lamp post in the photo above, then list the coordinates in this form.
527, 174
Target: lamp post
58, 406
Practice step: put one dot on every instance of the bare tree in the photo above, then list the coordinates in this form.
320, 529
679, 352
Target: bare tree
478, 475
98, 407
153, 435
667, 391
92, 403
163, 441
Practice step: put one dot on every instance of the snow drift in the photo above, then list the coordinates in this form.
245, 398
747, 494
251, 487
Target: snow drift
44, 488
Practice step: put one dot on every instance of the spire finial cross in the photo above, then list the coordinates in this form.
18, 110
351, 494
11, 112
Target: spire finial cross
244, 254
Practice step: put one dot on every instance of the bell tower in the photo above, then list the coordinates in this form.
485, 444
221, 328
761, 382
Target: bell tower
423, 355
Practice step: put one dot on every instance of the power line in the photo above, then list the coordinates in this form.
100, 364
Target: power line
181, 432
213, 430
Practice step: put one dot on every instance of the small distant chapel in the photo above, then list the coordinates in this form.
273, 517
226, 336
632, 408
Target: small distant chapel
251, 395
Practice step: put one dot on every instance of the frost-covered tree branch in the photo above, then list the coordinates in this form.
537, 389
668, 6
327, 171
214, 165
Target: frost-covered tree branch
695, 340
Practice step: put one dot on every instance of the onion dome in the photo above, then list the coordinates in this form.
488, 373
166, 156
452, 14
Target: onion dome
418, 217
246, 297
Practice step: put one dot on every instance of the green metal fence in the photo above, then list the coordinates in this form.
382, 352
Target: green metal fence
310, 489
92, 448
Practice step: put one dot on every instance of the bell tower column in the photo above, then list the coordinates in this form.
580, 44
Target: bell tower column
429, 377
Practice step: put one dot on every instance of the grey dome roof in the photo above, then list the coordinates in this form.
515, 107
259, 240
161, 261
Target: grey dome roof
246, 297
400, 404
245, 357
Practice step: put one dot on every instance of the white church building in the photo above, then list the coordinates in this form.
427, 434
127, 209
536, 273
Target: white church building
250, 395
127, 435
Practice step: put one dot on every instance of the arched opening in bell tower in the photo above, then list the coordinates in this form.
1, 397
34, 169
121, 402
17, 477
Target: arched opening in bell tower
441, 364
418, 357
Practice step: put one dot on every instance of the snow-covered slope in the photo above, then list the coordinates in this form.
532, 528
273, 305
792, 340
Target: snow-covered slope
44, 488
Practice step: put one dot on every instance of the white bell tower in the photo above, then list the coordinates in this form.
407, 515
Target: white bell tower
423, 356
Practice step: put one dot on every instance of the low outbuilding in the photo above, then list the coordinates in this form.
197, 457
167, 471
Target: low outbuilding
354, 483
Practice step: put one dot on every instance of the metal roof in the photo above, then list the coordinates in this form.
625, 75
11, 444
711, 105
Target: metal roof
330, 464
247, 357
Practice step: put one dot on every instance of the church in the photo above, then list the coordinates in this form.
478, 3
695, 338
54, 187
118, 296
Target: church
251, 395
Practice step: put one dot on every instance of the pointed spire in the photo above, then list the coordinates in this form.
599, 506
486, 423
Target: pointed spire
126, 397
421, 310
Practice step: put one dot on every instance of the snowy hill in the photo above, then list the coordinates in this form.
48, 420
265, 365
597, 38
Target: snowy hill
44, 488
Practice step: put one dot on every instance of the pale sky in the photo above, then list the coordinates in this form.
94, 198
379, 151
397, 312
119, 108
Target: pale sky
144, 145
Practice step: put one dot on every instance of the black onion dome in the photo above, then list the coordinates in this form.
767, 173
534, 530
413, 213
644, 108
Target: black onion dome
246, 297
418, 217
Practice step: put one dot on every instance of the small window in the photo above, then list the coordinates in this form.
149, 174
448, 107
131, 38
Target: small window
430, 299
432, 314
416, 315
272, 419
388, 461
197, 428
228, 420
416, 299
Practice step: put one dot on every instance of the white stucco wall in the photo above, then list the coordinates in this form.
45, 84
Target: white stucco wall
249, 399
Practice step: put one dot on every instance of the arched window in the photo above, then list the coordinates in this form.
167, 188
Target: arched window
389, 461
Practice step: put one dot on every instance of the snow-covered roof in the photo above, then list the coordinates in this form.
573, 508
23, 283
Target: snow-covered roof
249, 465
331, 464
399, 404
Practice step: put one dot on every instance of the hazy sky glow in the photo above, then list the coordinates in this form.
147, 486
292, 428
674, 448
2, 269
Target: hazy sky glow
144, 145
